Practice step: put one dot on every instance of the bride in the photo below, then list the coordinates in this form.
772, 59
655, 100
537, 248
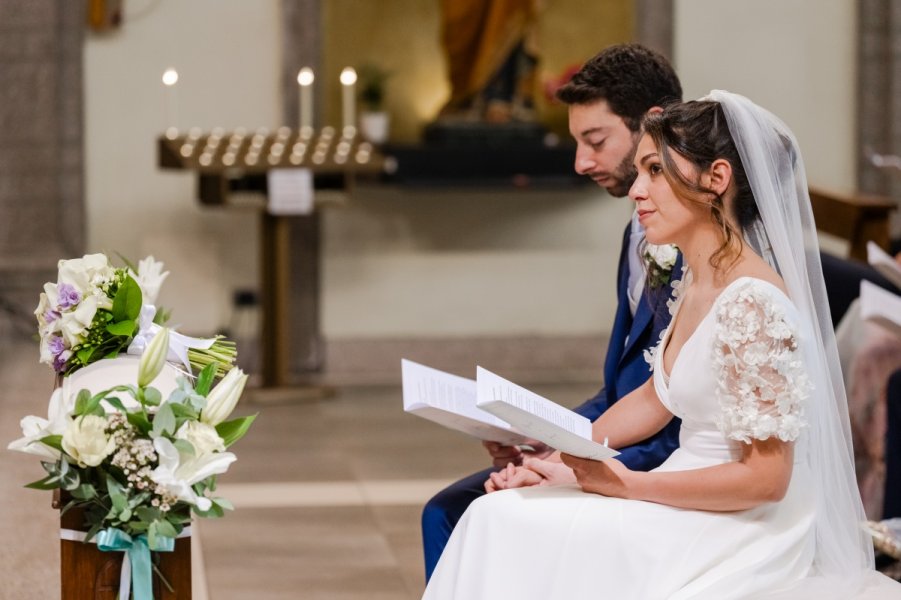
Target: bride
760, 499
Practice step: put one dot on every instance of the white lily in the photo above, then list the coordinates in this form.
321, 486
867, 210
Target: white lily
84, 273
154, 358
150, 277
178, 473
221, 400
36, 428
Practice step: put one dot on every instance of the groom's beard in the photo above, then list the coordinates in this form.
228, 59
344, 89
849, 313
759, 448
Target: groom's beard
625, 174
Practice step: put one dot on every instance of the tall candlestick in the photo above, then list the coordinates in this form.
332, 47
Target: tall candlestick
305, 80
170, 78
348, 79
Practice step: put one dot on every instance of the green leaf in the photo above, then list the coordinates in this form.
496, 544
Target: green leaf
182, 411
215, 512
116, 494
54, 441
224, 503
81, 401
70, 480
128, 300
85, 491
140, 422
50, 482
234, 430
125, 328
205, 380
164, 421
148, 514
84, 355
165, 528
117, 404
152, 396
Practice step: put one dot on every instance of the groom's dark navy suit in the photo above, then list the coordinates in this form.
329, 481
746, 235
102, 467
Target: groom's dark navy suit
625, 368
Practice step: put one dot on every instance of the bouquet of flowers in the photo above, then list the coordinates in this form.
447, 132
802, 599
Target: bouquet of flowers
96, 311
139, 465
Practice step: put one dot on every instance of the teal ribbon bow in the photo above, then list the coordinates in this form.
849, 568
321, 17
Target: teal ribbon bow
137, 551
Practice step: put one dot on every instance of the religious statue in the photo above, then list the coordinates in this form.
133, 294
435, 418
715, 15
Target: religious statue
492, 57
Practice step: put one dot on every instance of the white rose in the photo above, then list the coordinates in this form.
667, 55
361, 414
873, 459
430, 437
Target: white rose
86, 440
83, 273
664, 256
203, 437
73, 324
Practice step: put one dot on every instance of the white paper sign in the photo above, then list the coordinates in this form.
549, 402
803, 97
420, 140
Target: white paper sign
885, 263
450, 400
538, 417
290, 191
880, 306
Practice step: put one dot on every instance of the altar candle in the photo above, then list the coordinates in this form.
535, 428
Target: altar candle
348, 81
170, 78
305, 80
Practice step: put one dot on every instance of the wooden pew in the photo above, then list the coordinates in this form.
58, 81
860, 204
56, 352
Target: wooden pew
858, 218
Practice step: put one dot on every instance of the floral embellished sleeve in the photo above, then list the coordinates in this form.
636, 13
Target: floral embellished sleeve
762, 382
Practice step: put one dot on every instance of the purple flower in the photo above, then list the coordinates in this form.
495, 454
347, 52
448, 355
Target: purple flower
50, 315
56, 345
59, 362
68, 295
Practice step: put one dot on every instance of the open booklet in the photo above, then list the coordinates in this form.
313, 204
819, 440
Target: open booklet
495, 409
538, 417
885, 263
880, 306
450, 400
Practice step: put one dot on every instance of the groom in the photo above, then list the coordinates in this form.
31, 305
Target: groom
607, 99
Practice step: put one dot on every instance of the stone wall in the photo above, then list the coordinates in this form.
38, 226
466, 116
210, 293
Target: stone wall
41, 156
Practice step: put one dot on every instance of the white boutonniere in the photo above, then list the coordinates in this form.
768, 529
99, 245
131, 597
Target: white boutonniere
660, 262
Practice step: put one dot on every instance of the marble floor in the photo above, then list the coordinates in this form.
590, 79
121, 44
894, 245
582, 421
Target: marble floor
327, 492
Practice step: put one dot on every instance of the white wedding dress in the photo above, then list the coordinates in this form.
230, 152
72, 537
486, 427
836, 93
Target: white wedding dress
741, 375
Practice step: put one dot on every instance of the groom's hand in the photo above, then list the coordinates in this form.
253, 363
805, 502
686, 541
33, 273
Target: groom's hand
502, 455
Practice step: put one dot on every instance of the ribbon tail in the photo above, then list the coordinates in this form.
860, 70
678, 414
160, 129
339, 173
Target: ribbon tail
141, 575
179, 345
125, 578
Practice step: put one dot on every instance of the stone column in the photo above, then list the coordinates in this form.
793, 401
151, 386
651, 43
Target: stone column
302, 47
41, 157
654, 25
879, 97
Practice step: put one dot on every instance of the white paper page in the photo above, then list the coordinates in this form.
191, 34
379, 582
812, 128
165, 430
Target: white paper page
290, 191
884, 262
880, 306
450, 400
538, 417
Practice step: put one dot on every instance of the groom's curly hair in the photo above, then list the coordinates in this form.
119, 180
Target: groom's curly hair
631, 78
698, 132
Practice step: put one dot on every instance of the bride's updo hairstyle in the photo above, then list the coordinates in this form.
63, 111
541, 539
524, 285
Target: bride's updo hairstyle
698, 132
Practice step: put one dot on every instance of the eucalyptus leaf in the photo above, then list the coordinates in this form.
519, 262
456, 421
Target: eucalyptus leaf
152, 396
86, 491
116, 494
224, 503
165, 528
163, 422
147, 514
184, 447
81, 401
125, 514
140, 422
